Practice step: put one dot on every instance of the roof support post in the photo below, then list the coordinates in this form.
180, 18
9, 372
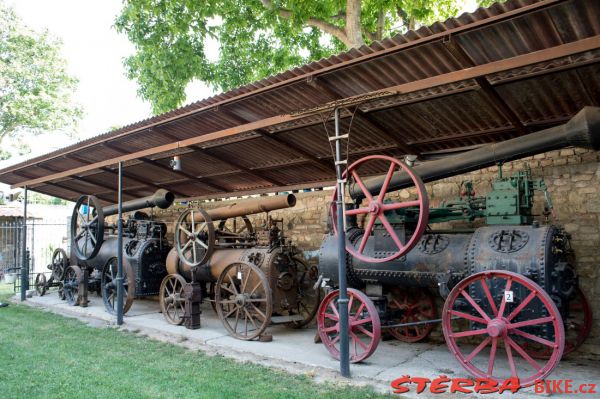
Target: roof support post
119, 278
24, 264
343, 301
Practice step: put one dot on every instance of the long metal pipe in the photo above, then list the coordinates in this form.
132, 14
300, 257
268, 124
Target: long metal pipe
583, 130
161, 198
248, 207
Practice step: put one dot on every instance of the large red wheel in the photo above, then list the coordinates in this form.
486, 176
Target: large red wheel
577, 328
413, 305
483, 317
363, 325
376, 207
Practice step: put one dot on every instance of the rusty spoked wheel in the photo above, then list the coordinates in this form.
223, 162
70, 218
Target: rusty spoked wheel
376, 207
487, 314
194, 237
363, 323
108, 286
243, 300
212, 287
73, 277
61, 291
578, 326
60, 262
308, 298
236, 228
411, 305
40, 284
172, 300
87, 227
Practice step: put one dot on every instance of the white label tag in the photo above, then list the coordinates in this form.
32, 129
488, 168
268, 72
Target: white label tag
239, 276
508, 296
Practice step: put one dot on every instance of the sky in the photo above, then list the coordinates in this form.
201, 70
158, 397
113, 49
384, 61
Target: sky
94, 52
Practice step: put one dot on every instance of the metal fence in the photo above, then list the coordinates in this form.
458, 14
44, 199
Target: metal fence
42, 239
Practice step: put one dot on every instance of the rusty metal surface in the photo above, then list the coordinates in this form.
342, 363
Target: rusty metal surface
248, 207
470, 112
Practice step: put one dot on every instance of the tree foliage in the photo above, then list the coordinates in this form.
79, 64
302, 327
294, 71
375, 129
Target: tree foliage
256, 38
35, 89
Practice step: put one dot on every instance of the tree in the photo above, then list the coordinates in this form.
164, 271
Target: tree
256, 38
35, 89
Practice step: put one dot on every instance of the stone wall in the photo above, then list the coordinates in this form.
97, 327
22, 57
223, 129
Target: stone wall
573, 180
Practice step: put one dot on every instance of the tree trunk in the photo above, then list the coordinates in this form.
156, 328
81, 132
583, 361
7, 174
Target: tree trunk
353, 26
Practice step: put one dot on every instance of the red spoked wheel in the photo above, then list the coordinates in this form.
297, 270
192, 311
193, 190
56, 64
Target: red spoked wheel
414, 305
483, 317
376, 208
577, 328
363, 322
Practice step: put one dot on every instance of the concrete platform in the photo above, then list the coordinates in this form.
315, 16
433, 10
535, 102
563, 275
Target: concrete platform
296, 352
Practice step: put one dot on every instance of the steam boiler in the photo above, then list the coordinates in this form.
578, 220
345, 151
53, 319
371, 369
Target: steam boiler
508, 278
255, 277
94, 245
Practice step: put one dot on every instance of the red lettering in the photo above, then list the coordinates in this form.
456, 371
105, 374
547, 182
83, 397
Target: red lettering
568, 386
398, 383
486, 385
556, 386
539, 387
592, 388
439, 385
512, 385
421, 383
460, 384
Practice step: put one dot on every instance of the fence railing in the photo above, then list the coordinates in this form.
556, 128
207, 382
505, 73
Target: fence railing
42, 239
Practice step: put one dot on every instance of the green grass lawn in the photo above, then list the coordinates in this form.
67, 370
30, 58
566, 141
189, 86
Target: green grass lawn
43, 355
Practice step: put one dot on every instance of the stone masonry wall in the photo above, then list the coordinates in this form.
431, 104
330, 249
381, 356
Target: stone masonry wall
573, 180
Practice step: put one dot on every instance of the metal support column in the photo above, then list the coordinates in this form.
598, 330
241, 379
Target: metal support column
24, 268
343, 298
119, 278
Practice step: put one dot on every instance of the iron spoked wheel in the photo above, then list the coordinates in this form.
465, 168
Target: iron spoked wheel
238, 227
40, 284
483, 318
213, 295
577, 328
377, 207
195, 241
364, 325
108, 286
60, 262
61, 291
87, 227
308, 298
413, 305
71, 282
172, 301
243, 299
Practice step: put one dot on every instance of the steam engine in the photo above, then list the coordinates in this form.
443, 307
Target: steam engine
94, 246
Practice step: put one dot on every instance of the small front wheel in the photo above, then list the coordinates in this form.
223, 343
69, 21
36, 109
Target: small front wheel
363, 323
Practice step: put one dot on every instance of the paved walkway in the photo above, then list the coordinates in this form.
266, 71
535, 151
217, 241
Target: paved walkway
295, 350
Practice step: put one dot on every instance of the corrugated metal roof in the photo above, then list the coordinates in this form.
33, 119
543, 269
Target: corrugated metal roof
496, 105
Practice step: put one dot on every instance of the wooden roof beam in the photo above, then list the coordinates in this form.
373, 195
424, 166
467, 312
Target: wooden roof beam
502, 108
130, 176
322, 164
229, 162
153, 162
